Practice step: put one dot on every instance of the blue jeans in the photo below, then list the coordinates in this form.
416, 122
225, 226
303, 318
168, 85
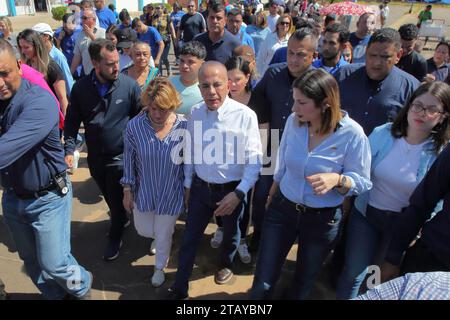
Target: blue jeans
262, 188
202, 203
41, 230
368, 239
316, 232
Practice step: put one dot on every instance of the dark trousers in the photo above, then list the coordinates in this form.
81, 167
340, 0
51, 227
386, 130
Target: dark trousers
107, 175
202, 203
245, 219
2, 290
419, 258
316, 233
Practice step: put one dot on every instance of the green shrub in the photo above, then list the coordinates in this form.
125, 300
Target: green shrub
59, 12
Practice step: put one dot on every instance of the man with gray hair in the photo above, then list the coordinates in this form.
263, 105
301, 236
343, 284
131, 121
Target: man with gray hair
90, 33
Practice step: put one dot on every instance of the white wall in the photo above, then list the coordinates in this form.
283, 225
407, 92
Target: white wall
3, 8
131, 6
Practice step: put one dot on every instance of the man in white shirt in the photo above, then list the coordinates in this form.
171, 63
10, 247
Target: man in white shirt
90, 33
222, 162
273, 16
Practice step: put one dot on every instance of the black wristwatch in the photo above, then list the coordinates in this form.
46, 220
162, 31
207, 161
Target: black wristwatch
240, 194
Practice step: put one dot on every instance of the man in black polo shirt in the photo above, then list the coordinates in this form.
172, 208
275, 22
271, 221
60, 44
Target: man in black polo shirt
218, 41
104, 101
273, 99
191, 24
411, 61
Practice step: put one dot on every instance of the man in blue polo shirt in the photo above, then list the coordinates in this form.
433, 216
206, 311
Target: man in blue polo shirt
218, 41
151, 36
105, 16
373, 93
37, 196
234, 25
333, 39
273, 99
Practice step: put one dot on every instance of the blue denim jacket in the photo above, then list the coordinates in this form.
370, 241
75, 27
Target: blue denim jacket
381, 142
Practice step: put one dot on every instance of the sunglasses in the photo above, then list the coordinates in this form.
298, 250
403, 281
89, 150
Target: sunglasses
284, 23
85, 18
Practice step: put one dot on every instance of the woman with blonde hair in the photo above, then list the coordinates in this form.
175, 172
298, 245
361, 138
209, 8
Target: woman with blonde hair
153, 179
275, 40
258, 30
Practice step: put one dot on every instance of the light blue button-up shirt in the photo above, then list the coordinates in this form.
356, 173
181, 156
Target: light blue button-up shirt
346, 151
225, 145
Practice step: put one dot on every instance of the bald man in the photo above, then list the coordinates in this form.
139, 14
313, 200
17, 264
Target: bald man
37, 197
219, 171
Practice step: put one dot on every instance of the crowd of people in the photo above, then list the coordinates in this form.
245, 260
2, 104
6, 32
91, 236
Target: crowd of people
280, 119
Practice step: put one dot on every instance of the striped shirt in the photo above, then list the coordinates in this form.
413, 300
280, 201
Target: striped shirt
156, 180
412, 286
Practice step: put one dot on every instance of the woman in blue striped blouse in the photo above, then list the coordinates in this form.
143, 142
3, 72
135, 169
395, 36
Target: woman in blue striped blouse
323, 157
153, 176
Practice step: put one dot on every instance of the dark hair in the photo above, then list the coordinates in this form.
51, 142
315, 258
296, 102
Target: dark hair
388, 35
318, 85
216, 7
234, 12
42, 55
239, 63
66, 17
408, 32
96, 46
111, 7
111, 28
134, 22
304, 23
194, 48
124, 15
301, 34
329, 18
443, 43
344, 34
440, 133
429, 6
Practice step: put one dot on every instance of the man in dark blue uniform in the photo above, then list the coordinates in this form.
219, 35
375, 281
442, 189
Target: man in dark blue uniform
37, 197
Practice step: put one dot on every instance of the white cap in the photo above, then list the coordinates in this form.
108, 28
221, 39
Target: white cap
43, 28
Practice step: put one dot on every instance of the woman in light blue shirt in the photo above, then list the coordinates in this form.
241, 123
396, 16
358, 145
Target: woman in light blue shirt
402, 153
153, 180
324, 156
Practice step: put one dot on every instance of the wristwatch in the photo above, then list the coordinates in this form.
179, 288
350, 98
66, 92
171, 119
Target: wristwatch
342, 181
240, 194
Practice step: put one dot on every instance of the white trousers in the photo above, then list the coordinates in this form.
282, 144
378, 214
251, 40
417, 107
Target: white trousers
159, 227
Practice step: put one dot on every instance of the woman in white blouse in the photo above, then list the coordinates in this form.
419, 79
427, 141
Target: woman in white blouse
277, 39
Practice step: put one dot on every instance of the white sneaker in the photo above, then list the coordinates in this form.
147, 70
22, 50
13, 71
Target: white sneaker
158, 278
153, 247
216, 240
244, 255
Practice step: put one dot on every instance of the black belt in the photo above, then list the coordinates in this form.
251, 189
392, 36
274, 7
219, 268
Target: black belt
300, 207
229, 186
40, 193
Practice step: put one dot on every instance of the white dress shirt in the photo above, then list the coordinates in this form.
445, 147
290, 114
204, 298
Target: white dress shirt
267, 50
225, 145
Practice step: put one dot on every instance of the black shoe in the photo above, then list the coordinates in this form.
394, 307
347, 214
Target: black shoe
174, 295
112, 250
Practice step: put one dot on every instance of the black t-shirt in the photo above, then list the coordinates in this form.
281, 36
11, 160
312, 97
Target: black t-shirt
54, 73
192, 25
414, 64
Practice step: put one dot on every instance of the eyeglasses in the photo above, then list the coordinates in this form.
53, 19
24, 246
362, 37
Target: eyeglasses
285, 23
85, 18
430, 111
